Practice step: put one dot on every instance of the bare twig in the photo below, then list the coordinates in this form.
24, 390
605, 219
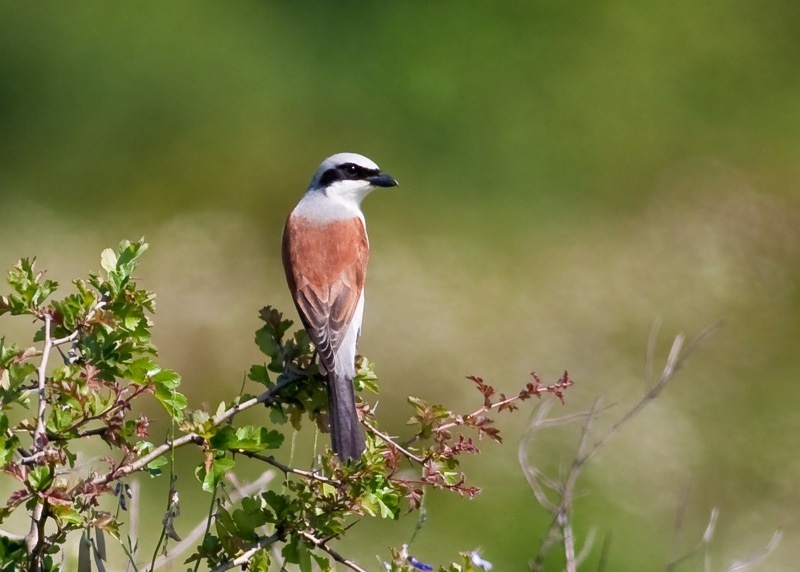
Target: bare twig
563, 517
759, 557
649, 360
322, 545
677, 532
11, 536
39, 437
392, 443
587, 547
285, 469
480, 411
560, 528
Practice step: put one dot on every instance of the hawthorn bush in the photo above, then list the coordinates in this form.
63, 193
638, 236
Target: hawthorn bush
92, 360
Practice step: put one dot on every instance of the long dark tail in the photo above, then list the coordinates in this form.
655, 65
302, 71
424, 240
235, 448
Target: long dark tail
347, 437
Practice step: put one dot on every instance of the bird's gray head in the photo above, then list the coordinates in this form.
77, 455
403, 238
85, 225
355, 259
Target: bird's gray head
349, 177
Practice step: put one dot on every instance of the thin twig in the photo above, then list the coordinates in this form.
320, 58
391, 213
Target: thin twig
759, 557
162, 449
480, 411
649, 359
677, 532
561, 528
392, 443
286, 469
11, 536
246, 556
702, 544
39, 437
563, 518
677, 357
588, 544
322, 545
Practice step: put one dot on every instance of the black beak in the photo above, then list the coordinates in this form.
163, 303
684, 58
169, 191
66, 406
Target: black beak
382, 180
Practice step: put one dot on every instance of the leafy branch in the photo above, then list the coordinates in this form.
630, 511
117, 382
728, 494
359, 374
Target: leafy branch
109, 364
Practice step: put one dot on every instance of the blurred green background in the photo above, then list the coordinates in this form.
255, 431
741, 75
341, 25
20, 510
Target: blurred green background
570, 173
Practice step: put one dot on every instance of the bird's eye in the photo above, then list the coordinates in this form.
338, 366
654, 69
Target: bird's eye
351, 170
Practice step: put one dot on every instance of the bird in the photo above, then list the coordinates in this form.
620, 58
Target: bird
325, 249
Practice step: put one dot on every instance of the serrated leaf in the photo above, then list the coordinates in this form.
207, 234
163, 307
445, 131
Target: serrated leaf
154, 466
322, 563
260, 561
40, 477
296, 551
246, 438
259, 374
212, 478
277, 415
247, 521
67, 515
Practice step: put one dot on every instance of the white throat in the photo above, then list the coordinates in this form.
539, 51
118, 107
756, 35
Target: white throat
319, 206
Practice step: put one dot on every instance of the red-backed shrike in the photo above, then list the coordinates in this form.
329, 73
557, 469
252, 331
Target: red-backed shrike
325, 252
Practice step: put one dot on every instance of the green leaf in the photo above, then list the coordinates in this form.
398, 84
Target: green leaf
212, 478
250, 517
322, 563
108, 260
247, 438
173, 401
167, 378
296, 551
279, 504
277, 415
266, 342
8, 444
154, 466
366, 378
259, 374
224, 439
139, 370
375, 505
67, 515
30, 289
260, 561
40, 477
258, 438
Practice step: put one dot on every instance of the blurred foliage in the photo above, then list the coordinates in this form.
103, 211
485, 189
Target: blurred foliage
569, 172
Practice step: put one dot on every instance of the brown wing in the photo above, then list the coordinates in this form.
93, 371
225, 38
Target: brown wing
325, 266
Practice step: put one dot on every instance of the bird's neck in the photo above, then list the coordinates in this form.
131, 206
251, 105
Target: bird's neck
319, 207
